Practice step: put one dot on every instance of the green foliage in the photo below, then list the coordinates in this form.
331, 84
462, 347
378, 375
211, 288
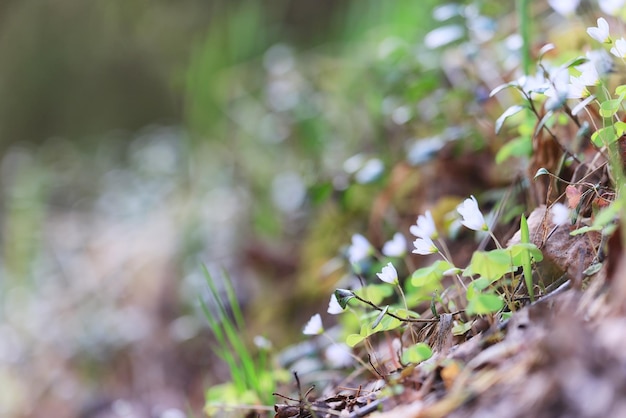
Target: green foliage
416, 353
253, 377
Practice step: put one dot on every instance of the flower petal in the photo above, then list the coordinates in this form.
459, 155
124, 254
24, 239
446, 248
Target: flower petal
424, 246
388, 274
314, 326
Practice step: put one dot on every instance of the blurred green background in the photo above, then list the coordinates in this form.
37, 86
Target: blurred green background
141, 139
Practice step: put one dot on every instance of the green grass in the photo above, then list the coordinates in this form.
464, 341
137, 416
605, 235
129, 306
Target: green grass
252, 381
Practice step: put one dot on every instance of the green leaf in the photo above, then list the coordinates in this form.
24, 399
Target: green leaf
519, 147
592, 269
620, 128
461, 328
503, 87
610, 107
603, 218
484, 303
606, 215
575, 62
513, 110
585, 229
380, 317
354, 339
388, 323
430, 277
604, 136
375, 293
490, 265
417, 353
520, 250
620, 90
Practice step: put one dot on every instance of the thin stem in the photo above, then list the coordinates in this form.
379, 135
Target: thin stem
378, 308
493, 237
457, 276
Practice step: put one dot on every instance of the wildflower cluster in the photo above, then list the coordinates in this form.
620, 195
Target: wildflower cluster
424, 283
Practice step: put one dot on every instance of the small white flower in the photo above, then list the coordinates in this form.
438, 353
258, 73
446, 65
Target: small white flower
619, 50
262, 342
564, 87
601, 60
424, 246
601, 32
533, 83
360, 249
388, 274
472, 216
425, 227
589, 75
334, 308
396, 247
560, 214
564, 7
339, 355
577, 88
611, 7
314, 326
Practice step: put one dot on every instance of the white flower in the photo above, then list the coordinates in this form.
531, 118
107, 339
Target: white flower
601, 32
334, 308
560, 214
424, 246
564, 7
533, 83
360, 249
425, 226
577, 88
262, 342
619, 50
388, 274
314, 326
396, 247
564, 86
339, 355
472, 216
611, 7
601, 60
589, 75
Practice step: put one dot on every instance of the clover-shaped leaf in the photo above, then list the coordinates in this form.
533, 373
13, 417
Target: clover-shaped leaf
490, 265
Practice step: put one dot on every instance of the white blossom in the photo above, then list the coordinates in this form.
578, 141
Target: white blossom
424, 227
360, 249
388, 274
611, 7
560, 214
564, 7
424, 246
601, 32
472, 216
334, 308
619, 49
339, 355
396, 247
314, 326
